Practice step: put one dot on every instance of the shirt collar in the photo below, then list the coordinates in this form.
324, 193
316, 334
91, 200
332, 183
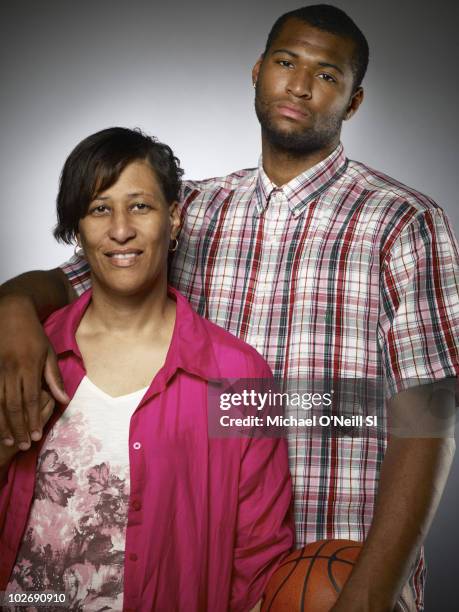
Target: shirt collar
305, 187
190, 348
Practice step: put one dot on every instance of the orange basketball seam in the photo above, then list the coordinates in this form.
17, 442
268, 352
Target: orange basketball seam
298, 584
295, 561
306, 578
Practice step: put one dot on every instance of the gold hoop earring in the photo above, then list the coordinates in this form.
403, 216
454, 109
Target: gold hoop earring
174, 247
78, 251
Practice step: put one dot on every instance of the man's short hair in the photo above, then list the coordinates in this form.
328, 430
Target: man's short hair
329, 19
96, 163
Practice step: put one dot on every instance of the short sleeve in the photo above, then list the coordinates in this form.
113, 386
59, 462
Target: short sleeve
78, 274
419, 304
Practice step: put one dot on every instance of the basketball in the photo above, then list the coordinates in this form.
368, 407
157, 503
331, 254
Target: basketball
311, 578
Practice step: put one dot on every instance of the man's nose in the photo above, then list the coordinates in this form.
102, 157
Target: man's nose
300, 84
122, 227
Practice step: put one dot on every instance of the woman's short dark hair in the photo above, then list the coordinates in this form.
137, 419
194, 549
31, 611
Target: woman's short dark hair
96, 163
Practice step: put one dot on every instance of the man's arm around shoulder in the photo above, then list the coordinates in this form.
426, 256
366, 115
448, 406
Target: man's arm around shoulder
26, 357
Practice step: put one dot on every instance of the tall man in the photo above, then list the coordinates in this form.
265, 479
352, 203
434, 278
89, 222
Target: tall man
328, 268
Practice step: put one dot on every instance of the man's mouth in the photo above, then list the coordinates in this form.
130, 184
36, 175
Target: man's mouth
291, 111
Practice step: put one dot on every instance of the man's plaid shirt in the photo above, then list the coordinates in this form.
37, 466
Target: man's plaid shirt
341, 273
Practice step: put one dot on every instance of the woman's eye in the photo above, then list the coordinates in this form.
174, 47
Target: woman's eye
99, 210
140, 207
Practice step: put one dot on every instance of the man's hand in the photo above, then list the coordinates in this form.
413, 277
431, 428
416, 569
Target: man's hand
413, 475
7, 453
348, 602
26, 358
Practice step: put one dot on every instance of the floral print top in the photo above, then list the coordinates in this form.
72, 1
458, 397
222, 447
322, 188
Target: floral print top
75, 537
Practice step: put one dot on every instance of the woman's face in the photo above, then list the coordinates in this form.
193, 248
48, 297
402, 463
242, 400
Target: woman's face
127, 231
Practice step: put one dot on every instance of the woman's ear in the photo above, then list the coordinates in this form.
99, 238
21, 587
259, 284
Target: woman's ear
174, 216
78, 248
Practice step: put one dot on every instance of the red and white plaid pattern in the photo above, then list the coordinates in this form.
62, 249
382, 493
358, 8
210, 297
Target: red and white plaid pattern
341, 273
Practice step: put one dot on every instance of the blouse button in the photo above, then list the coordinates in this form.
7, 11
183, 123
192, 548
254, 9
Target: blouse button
136, 445
136, 504
133, 557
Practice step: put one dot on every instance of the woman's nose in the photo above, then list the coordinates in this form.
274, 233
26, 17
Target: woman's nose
121, 227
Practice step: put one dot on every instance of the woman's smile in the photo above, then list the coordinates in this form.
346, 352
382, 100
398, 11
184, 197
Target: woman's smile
125, 258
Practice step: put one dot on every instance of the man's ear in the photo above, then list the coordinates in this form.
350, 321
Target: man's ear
256, 70
174, 216
354, 103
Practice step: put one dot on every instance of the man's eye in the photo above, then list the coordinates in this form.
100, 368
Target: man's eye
285, 63
327, 77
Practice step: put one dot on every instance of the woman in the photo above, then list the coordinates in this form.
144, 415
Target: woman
126, 502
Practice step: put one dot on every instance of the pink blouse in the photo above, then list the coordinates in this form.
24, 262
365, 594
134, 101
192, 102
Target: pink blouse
208, 518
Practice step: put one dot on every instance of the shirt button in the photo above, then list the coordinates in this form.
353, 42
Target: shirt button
136, 504
136, 445
133, 557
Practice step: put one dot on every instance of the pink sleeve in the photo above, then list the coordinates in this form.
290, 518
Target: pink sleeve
15, 498
265, 532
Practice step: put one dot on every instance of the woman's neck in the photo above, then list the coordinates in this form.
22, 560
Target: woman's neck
124, 340
146, 312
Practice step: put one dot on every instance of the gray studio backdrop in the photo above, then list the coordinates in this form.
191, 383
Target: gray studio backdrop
181, 71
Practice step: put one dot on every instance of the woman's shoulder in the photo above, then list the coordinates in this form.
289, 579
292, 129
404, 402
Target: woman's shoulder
65, 319
221, 350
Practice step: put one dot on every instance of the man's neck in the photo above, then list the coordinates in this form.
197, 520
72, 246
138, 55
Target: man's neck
282, 166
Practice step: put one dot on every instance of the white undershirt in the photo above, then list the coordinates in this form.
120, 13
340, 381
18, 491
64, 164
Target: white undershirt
108, 418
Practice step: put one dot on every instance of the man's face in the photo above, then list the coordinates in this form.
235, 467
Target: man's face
304, 88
